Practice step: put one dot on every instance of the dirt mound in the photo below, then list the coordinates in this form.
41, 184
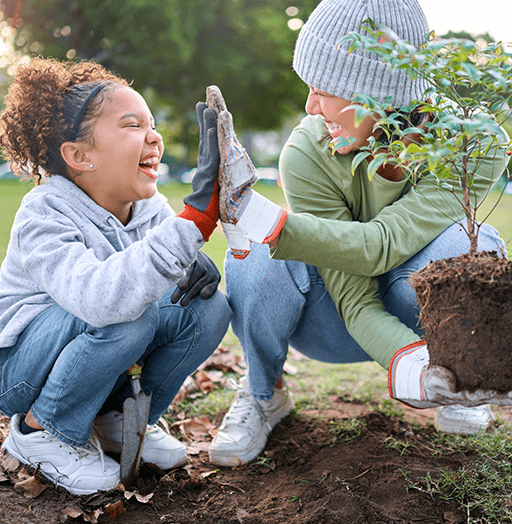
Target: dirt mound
346, 469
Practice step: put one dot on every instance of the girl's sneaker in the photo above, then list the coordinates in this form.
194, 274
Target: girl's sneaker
81, 471
160, 447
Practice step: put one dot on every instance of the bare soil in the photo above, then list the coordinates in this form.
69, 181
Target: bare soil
466, 316
314, 470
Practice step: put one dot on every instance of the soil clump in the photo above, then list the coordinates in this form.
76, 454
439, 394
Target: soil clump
466, 314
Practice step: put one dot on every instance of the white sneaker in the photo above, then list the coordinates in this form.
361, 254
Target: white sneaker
82, 471
160, 448
459, 419
244, 431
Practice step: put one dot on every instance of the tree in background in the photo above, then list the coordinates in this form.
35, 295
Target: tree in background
173, 49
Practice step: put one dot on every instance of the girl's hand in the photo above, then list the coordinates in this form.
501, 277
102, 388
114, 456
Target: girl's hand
202, 205
201, 278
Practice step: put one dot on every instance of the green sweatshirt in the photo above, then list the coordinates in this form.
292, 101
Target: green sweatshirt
354, 229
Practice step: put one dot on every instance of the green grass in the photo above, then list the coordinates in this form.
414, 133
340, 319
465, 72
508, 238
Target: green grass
481, 489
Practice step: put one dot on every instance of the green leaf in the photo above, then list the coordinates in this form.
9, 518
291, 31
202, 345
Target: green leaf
362, 155
376, 162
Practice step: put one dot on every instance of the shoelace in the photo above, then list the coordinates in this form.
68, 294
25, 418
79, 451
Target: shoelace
242, 407
92, 447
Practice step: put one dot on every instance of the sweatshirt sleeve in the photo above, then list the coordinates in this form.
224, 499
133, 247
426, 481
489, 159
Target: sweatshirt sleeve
379, 333
322, 231
103, 292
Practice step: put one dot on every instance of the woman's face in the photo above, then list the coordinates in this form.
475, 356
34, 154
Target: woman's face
339, 120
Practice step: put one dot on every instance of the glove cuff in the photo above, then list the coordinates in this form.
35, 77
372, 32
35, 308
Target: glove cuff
239, 244
261, 219
405, 375
203, 222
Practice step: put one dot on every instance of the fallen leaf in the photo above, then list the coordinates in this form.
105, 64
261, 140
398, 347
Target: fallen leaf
140, 498
75, 511
9, 463
197, 428
30, 487
196, 447
208, 473
3, 477
241, 515
115, 509
23, 474
224, 360
204, 382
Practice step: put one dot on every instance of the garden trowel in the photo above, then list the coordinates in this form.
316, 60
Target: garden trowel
135, 420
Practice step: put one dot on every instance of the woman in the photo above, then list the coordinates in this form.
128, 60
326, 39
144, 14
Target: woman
336, 287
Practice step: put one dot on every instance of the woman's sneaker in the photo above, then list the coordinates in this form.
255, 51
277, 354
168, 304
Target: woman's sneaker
459, 419
81, 471
160, 448
244, 431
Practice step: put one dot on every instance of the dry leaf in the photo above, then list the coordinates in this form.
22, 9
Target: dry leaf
194, 448
9, 463
224, 360
241, 515
208, 473
30, 487
197, 428
4, 478
75, 511
204, 382
115, 509
140, 498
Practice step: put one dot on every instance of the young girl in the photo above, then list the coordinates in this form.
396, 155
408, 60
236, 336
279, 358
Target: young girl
94, 271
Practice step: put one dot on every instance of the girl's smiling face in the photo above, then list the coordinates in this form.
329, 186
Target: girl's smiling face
125, 153
339, 120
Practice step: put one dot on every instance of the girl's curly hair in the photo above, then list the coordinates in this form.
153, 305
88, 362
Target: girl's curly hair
40, 108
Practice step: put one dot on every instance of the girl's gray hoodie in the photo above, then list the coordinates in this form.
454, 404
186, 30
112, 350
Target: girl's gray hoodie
67, 250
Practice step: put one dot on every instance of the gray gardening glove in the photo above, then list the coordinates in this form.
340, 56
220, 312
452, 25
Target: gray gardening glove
245, 215
201, 278
412, 381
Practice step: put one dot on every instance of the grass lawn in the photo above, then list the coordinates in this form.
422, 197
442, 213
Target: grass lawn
316, 384
315, 381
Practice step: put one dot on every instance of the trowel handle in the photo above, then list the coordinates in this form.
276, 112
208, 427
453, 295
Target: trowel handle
134, 372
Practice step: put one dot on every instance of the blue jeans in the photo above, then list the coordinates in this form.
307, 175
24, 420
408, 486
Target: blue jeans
67, 372
278, 303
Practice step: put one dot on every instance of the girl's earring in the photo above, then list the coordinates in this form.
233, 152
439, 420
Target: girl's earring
91, 166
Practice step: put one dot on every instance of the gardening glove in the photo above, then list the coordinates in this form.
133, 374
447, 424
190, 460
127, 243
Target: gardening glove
412, 381
202, 205
245, 215
201, 278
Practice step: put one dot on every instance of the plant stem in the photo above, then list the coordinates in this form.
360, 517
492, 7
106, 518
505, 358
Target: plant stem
466, 195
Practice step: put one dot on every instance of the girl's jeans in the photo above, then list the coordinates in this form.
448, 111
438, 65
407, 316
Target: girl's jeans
278, 303
67, 372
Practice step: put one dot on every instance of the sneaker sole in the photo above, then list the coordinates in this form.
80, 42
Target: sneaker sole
460, 427
230, 458
74, 491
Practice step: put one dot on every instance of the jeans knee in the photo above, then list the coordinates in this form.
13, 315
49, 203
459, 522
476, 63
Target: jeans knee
135, 336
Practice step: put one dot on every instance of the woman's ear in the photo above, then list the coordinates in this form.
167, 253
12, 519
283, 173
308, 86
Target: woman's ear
75, 156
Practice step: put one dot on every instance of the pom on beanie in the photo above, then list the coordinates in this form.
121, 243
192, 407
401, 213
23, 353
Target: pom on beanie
322, 63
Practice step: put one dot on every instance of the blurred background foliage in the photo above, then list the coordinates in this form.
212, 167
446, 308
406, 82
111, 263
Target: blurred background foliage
173, 49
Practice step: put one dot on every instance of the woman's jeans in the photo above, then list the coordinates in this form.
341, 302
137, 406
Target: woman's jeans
278, 303
67, 372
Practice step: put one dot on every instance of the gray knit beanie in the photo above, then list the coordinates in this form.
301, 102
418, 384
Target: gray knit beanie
322, 64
